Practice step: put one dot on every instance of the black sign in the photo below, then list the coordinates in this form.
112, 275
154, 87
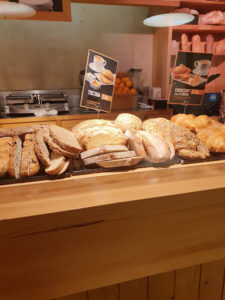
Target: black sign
99, 82
190, 76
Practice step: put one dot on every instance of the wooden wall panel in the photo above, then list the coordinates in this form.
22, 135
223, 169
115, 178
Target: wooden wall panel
161, 286
109, 293
212, 278
134, 290
187, 283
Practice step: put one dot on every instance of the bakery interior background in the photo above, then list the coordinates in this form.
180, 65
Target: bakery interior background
49, 54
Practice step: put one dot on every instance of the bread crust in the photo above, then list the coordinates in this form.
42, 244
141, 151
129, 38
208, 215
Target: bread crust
108, 156
102, 150
135, 143
64, 139
58, 166
127, 121
15, 157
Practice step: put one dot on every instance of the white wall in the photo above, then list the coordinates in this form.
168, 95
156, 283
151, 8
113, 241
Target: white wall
43, 54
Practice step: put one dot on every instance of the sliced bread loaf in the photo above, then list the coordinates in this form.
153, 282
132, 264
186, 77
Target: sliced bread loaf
116, 163
64, 139
5, 146
102, 150
108, 156
56, 166
136, 144
41, 149
15, 157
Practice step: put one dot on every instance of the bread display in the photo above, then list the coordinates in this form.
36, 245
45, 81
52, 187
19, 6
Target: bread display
15, 157
127, 121
103, 135
53, 150
5, 145
29, 163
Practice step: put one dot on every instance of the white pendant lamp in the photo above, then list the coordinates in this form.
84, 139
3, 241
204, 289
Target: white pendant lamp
17, 10
170, 19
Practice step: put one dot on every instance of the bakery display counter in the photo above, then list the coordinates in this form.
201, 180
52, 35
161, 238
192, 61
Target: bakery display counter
60, 237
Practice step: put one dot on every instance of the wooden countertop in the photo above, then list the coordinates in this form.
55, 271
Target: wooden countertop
67, 236
83, 191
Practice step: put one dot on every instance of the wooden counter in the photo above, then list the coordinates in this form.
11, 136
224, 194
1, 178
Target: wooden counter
66, 236
68, 121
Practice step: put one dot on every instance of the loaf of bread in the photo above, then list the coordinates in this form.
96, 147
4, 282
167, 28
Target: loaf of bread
116, 163
103, 135
108, 156
80, 129
157, 149
65, 139
29, 163
196, 43
15, 157
102, 150
5, 146
127, 121
53, 146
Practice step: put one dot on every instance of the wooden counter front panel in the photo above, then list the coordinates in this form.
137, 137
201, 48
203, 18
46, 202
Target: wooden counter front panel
54, 255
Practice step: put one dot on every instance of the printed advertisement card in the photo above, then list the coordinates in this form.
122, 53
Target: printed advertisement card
99, 80
190, 76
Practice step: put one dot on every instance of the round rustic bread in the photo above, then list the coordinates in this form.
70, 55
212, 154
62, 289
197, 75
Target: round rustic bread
80, 129
126, 121
103, 135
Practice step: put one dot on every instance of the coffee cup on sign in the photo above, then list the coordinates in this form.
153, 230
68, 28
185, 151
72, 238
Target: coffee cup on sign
202, 66
99, 62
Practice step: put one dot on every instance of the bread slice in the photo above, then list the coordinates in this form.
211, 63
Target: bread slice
29, 163
136, 144
5, 146
125, 162
15, 157
64, 139
41, 149
102, 150
108, 156
65, 167
56, 166
54, 147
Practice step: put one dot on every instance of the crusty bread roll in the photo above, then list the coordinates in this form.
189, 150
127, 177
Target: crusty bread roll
103, 135
127, 121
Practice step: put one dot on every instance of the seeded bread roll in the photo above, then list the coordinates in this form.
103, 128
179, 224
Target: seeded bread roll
65, 139
15, 157
5, 146
128, 122
104, 135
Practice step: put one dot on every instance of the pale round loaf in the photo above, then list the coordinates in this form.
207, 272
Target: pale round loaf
80, 129
103, 135
127, 121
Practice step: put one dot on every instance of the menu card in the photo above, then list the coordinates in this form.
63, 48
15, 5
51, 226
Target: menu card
190, 76
99, 80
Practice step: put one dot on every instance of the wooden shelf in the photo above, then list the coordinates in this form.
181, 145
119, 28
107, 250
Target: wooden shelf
203, 5
199, 28
168, 3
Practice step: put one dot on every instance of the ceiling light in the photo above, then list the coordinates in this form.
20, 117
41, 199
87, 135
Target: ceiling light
166, 20
12, 9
